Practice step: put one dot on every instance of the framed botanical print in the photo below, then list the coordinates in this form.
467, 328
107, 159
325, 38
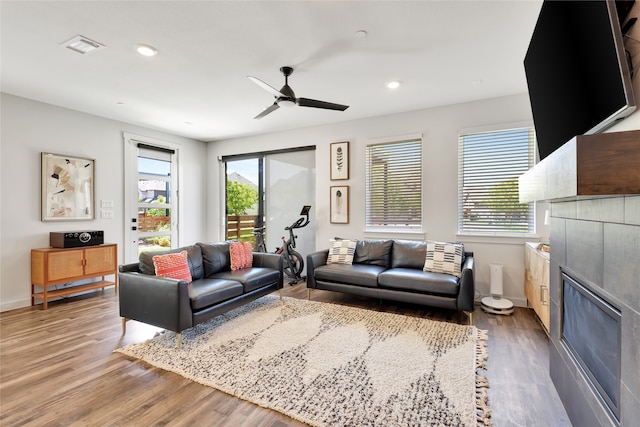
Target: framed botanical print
339, 204
339, 160
67, 188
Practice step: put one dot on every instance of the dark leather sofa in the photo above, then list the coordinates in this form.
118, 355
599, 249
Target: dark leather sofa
393, 270
177, 305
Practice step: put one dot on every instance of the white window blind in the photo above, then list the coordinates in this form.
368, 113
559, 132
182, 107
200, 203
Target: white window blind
394, 184
489, 166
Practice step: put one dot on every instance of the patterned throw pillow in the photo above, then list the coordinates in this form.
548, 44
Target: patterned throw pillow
241, 255
248, 254
341, 251
175, 266
444, 258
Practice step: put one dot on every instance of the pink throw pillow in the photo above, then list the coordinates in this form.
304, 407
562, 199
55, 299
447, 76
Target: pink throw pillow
174, 266
248, 253
236, 250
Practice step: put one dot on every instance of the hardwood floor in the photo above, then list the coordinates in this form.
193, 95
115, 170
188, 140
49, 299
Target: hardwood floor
57, 368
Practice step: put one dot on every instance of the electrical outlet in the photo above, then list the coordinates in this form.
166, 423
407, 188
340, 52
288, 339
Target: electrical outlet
106, 214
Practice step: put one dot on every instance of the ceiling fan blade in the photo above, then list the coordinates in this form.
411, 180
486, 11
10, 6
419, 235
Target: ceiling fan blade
273, 107
265, 86
306, 102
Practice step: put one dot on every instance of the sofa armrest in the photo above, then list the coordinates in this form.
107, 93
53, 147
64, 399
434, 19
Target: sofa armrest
133, 267
466, 294
314, 261
154, 300
268, 260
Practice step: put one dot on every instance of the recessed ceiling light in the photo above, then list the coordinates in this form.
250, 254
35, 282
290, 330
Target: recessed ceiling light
361, 34
146, 50
393, 84
82, 45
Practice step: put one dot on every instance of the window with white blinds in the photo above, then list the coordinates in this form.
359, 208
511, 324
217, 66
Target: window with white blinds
394, 185
488, 170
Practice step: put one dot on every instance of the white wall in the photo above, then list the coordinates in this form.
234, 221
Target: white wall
439, 127
30, 127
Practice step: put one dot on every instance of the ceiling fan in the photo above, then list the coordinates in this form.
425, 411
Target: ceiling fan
285, 97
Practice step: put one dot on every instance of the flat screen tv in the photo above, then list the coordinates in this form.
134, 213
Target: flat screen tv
577, 72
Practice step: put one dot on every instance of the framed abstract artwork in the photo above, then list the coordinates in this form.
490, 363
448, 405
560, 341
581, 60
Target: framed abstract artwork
67, 188
339, 204
339, 160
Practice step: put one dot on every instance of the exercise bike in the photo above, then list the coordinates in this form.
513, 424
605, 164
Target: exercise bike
292, 260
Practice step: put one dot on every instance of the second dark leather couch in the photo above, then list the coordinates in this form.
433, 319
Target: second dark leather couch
393, 270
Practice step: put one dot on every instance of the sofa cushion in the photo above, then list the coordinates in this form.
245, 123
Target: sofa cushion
408, 254
355, 274
250, 278
215, 257
173, 266
194, 257
373, 252
410, 279
444, 257
341, 251
206, 292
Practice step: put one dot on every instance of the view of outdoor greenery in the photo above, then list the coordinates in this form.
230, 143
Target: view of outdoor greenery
240, 197
156, 219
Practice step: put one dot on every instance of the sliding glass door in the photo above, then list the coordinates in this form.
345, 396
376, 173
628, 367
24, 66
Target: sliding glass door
268, 190
291, 180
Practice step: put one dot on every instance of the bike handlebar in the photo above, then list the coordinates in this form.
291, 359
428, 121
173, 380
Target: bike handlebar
301, 222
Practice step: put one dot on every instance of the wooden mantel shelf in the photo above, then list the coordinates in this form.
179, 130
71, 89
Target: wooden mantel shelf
604, 164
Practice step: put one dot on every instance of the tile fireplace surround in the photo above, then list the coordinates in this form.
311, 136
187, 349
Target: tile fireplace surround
593, 185
598, 242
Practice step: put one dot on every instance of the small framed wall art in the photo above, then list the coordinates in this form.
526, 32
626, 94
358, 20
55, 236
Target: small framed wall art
339, 160
340, 204
67, 188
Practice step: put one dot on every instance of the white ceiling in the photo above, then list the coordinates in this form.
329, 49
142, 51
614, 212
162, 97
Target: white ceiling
443, 52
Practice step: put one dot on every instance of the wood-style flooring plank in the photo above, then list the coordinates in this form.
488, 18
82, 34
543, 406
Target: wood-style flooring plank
57, 368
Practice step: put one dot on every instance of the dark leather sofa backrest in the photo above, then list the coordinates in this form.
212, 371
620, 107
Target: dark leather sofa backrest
374, 252
412, 254
215, 257
194, 255
408, 254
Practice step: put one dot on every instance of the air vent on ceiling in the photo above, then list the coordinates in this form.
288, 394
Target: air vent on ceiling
82, 45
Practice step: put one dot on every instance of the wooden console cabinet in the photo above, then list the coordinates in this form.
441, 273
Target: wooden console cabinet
536, 281
57, 266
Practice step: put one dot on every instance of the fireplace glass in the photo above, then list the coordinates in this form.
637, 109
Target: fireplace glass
591, 333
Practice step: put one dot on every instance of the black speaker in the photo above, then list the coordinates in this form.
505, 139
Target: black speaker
75, 239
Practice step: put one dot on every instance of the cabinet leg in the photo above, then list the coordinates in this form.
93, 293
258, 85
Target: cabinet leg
124, 325
179, 340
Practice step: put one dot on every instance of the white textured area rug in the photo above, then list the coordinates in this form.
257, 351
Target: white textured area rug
332, 365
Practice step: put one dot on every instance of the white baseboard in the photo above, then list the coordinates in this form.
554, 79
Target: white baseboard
12, 305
